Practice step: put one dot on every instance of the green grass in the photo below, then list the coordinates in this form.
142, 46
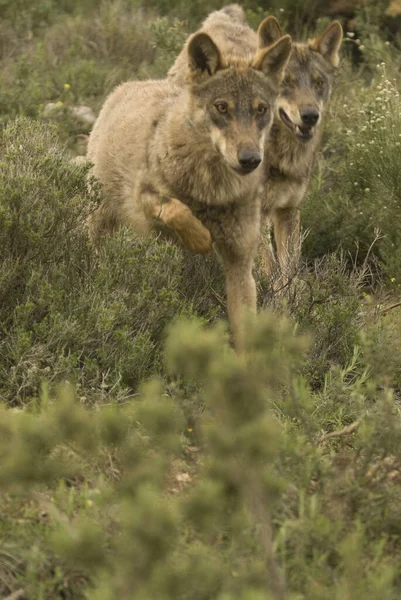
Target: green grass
139, 456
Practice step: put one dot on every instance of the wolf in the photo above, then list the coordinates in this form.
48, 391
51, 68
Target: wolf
293, 142
229, 29
291, 146
201, 144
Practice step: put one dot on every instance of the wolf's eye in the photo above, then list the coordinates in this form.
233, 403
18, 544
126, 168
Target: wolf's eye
222, 107
287, 81
261, 109
319, 82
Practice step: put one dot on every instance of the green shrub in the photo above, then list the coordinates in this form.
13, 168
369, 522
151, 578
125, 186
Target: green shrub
358, 200
66, 311
79, 57
297, 494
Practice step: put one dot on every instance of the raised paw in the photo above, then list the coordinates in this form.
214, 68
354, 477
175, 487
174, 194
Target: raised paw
190, 231
194, 236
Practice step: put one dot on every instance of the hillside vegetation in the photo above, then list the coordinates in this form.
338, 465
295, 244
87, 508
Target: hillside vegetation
140, 458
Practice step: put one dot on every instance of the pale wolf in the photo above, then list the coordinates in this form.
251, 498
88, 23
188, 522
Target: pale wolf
201, 142
291, 146
230, 31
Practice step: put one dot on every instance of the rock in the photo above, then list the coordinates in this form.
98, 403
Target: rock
52, 109
83, 114
183, 477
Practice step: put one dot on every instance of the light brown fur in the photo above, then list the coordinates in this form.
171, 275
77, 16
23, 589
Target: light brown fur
288, 159
155, 141
230, 31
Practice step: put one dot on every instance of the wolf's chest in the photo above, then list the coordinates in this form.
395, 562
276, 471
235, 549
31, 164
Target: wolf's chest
281, 190
233, 225
207, 184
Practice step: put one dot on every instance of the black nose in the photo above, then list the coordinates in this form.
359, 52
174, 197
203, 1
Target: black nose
249, 160
309, 116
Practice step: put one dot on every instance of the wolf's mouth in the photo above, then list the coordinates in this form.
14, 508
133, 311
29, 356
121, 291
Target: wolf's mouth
301, 132
243, 171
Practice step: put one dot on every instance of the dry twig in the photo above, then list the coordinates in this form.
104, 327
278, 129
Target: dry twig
340, 433
17, 595
386, 310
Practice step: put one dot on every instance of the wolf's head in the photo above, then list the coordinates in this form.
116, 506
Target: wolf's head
306, 87
232, 104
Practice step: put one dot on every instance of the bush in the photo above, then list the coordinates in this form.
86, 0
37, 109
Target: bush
358, 200
282, 498
79, 57
66, 312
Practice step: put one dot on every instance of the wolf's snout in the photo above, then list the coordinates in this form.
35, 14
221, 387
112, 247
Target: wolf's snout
249, 160
309, 116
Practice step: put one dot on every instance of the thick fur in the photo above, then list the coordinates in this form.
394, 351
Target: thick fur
231, 33
156, 140
289, 151
290, 159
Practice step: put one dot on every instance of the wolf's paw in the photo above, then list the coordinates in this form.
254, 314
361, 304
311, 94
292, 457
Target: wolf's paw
190, 231
195, 237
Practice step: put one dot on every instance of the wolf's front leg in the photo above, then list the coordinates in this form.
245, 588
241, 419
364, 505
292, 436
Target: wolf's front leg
288, 241
241, 297
240, 290
177, 216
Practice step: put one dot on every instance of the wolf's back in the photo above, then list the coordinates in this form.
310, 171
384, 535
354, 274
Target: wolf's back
234, 11
230, 31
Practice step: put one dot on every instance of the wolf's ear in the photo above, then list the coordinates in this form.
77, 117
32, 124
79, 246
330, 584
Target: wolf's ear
273, 61
328, 43
269, 32
203, 56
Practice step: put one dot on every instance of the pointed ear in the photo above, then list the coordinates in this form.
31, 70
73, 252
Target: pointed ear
204, 57
273, 61
269, 32
328, 43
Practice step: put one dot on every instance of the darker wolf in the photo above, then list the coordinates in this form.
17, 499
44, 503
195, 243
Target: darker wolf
201, 142
294, 140
291, 147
